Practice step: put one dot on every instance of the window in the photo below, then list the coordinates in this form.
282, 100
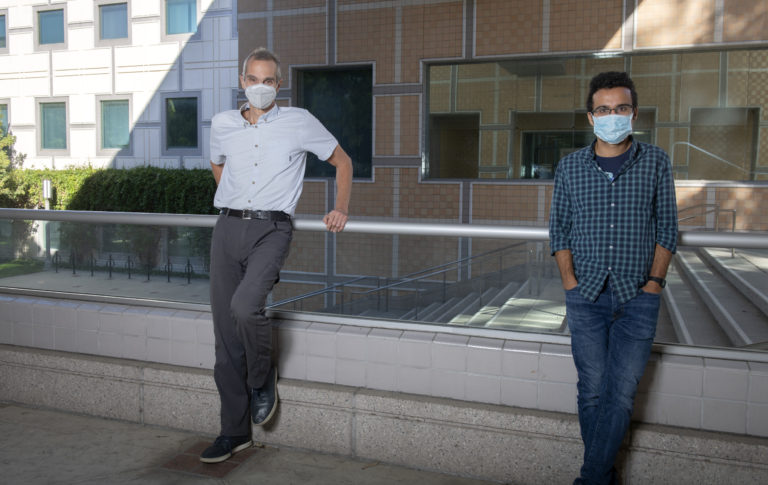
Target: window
113, 21
3, 35
115, 133
530, 112
181, 123
50, 27
53, 126
342, 100
3, 119
180, 16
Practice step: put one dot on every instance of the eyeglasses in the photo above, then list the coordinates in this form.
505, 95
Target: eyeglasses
622, 109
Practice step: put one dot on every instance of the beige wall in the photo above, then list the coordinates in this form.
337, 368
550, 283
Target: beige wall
400, 40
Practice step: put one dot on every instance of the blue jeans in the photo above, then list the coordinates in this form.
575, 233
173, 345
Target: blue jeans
611, 343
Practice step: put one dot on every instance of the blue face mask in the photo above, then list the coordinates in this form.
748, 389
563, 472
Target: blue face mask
613, 129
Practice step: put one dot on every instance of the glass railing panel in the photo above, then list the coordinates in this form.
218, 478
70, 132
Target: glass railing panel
167, 263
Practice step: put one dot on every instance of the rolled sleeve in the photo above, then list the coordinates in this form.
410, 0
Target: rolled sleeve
666, 208
560, 214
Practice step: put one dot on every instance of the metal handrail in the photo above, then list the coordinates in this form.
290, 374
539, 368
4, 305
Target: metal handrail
716, 157
749, 240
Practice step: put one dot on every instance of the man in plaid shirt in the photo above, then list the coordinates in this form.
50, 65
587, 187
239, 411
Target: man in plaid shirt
613, 231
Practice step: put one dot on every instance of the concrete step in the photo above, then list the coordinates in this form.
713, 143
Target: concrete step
693, 323
742, 321
451, 311
744, 271
432, 315
544, 312
472, 308
417, 313
484, 314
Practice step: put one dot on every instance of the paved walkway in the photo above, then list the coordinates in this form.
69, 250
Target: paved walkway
49, 447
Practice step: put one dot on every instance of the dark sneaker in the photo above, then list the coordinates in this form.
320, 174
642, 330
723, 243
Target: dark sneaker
264, 400
224, 447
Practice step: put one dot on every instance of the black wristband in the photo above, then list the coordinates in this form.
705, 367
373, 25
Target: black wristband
661, 281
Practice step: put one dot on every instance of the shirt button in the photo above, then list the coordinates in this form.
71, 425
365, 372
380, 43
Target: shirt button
609, 268
611, 226
610, 247
612, 204
253, 183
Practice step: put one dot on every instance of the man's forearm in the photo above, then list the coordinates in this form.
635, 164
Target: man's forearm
661, 259
564, 259
217, 169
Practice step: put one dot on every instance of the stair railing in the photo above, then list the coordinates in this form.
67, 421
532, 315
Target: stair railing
709, 209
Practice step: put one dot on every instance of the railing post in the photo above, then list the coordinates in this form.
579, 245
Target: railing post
110, 265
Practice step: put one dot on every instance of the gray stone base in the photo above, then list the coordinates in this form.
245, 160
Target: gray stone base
505, 444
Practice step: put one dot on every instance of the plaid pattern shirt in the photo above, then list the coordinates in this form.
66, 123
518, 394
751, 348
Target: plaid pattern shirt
612, 226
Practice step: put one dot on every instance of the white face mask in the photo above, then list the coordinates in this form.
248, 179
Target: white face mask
613, 129
260, 96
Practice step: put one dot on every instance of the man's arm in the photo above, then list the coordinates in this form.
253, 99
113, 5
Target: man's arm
337, 218
661, 259
564, 259
217, 169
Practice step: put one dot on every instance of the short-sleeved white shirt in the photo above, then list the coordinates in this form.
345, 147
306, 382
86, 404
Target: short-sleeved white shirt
264, 163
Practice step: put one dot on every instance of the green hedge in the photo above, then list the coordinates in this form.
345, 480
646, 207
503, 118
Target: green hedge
141, 189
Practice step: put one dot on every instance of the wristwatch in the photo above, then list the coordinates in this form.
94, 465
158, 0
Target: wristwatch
661, 281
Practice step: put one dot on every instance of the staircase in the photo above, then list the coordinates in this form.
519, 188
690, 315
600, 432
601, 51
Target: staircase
712, 299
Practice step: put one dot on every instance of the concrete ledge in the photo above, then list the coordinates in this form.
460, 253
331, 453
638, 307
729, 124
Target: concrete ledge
486, 441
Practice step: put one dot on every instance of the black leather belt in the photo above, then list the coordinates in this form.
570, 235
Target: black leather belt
255, 214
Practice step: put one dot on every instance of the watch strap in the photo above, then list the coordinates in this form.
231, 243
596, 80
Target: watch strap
661, 281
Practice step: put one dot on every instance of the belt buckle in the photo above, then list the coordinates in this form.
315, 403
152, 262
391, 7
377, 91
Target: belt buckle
246, 214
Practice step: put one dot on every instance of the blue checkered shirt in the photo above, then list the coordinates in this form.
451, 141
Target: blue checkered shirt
612, 226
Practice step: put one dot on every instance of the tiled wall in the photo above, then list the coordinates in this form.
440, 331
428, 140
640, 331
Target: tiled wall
506, 369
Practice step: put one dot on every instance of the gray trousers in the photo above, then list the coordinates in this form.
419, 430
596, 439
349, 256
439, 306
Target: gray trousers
246, 257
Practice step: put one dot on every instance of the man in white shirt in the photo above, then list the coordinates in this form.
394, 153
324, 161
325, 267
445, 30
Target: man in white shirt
258, 155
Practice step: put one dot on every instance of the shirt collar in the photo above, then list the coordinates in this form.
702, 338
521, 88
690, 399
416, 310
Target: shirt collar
270, 115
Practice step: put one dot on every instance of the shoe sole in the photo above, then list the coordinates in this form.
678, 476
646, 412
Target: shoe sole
274, 408
219, 459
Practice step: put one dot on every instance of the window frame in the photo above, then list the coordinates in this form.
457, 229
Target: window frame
165, 36
39, 122
180, 152
7, 103
98, 41
5, 50
36, 28
127, 151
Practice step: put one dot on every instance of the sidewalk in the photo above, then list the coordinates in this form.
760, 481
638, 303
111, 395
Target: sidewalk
51, 447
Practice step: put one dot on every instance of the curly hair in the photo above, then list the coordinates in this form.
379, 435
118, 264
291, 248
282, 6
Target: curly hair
608, 80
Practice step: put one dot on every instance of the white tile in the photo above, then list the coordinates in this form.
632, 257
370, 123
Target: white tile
675, 410
6, 331
758, 388
448, 383
23, 334
557, 396
206, 356
158, 323
350, 372
321, 340
449, 352
21, 310
675, 379
134, 322
159, 350
110, 344
519, 392
321, 369
382, 345
724, 383
483, 388
292, 365
351, 343
413, 380
520, 364
291, 341
727, 416
88, 317
204, 330
44, 336
183, 329
484, 356
110, 321
557, 368
66, 339
88, 342
134, 347
414, 349
381, 376
183, 353
757, 420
